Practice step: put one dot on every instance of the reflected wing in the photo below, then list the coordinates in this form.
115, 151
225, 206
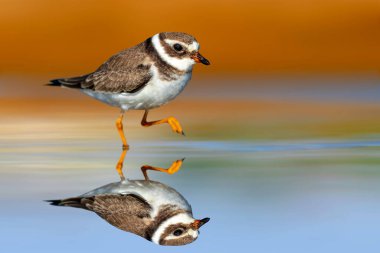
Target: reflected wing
127, 212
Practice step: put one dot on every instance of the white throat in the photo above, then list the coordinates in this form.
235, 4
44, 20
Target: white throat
184, 64
179, 218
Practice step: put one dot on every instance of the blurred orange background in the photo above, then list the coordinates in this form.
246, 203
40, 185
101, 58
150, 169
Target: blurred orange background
68, 37
310, 48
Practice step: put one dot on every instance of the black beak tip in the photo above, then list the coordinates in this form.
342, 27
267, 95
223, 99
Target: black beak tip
205, 61
205, 220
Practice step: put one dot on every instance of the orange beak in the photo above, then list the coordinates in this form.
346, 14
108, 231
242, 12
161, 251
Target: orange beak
199, 223
197, 57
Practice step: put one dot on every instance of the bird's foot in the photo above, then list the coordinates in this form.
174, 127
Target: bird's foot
176, 165
175, 125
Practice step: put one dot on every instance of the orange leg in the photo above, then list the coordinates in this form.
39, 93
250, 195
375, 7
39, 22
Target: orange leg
119, 126
119, 165
173, 122
176, 165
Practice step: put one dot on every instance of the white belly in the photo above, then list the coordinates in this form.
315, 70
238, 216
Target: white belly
156, 93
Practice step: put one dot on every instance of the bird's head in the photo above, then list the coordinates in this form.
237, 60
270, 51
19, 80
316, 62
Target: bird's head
178, 230
180, 50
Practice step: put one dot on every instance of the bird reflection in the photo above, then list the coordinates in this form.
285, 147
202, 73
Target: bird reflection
146, 208
176, 165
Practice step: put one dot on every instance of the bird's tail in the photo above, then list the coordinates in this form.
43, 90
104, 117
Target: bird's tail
71, 82
77, 202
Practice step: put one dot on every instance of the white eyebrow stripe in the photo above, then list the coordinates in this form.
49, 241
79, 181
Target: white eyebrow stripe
184, 64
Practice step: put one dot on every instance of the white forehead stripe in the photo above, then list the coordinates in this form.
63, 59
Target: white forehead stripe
193, 233
183, 64
179, 218
193, 46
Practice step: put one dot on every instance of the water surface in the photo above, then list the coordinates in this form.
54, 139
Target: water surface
315, 196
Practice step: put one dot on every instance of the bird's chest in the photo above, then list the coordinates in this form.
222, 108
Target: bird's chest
159, 92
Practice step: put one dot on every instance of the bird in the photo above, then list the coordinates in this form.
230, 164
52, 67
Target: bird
149, 209
142, 77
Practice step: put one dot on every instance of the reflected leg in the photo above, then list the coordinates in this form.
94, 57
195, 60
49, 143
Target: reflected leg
173, 122
119, 165
119, 126
176, 165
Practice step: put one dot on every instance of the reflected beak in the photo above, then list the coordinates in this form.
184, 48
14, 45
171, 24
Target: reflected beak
199, 223
197, 57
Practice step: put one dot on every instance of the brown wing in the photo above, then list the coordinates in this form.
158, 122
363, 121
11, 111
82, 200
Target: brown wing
127, 212
121, 73
127, 71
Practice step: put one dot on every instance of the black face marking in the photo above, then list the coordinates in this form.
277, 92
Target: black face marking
177, 230
171, 51
166, 71
180, 240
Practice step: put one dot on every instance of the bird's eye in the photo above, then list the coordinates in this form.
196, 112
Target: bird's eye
178, 232
177, 47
